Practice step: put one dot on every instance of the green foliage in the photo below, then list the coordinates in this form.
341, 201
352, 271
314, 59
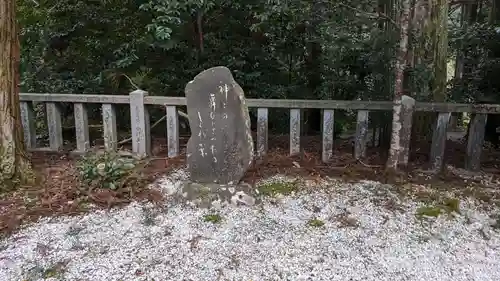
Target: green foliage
480, 43
107, 170
155, 43
276, 49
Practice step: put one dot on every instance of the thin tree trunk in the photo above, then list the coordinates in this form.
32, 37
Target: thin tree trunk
312, 117
15, 166
395, 150
383, 119
459, 62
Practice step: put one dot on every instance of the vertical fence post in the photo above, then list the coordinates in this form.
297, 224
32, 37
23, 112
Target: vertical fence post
110, 131
328, 132
262, 131
172, 131
294, 131
439, 137
81, 127
28, 121
139, 116
55, 126
475, 143
361, 133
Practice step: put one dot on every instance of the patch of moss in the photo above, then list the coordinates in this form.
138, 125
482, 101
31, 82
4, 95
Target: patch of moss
275, 188
52, 272
315, 223
428, 211
448, 206
213, 218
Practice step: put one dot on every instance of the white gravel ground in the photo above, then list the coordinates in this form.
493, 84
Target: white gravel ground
360, 240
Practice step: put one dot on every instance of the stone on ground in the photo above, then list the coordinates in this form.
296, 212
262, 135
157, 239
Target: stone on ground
213, 195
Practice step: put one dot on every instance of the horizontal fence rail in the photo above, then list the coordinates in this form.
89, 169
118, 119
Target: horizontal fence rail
141, 142
269, 103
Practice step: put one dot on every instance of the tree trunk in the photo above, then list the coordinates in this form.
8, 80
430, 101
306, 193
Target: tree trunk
382, 119
440, 49
15, 165
312, 117
395, 151
431, 26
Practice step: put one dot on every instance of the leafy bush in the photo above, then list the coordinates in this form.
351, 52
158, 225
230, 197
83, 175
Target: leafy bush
107, 170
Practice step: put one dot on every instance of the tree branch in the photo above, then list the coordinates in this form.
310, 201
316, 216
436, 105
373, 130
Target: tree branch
35, 2
131, 82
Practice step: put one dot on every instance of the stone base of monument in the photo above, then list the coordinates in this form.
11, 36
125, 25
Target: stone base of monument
217, 195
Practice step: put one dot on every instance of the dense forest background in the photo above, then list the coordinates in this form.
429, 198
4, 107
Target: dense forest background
291, 49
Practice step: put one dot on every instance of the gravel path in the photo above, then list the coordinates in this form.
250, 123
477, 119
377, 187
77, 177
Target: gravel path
282, 239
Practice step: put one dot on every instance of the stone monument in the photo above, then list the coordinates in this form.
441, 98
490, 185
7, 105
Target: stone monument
220, 149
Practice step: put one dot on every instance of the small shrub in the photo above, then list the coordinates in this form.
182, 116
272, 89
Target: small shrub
213, 218
107, 170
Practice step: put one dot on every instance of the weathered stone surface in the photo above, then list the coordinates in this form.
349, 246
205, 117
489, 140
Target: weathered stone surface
220, 149
212, 195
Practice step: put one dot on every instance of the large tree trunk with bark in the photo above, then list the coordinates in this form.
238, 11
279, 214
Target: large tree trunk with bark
401, 62
15, 165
